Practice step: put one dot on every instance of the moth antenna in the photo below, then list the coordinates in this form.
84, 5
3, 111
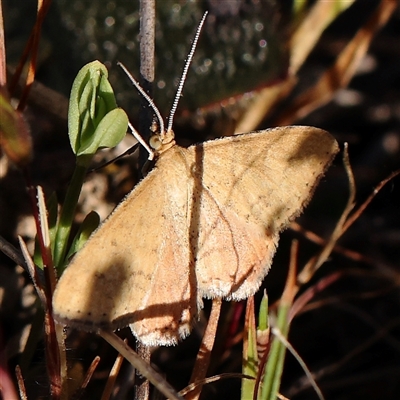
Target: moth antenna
145, 95
136, 134
184, 73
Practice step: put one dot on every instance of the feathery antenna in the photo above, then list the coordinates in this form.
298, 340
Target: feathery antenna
178, 92
184, 73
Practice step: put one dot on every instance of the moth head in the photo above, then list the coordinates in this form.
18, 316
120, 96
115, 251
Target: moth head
163, 141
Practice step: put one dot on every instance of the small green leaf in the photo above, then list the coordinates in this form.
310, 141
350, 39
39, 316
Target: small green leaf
94, 121
92, 100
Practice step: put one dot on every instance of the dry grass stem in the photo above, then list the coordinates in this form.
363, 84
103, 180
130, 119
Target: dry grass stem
143, 367
204, 355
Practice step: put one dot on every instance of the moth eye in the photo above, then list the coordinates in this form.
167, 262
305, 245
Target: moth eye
155, 142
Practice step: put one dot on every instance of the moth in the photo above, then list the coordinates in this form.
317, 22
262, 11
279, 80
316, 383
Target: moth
204, 223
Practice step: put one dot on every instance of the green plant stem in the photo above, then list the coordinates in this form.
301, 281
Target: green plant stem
67, 215
250, 357
276, 358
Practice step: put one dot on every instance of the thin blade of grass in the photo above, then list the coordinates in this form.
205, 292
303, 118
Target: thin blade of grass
250, 356
302, 42
274, 367
340, 74
303, 365
309, 31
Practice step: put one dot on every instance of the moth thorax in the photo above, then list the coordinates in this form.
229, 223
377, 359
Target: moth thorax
162, 141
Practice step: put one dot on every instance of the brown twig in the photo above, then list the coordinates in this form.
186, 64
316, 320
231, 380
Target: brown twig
112, 377
313, 237
204, 355
147, 68
87, 378
315, 262
3, 63
144, 367
364, 205
31, 48
212, 379
21, 384
147, 46
55, 350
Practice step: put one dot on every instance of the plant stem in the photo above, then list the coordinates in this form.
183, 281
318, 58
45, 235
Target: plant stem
67, 215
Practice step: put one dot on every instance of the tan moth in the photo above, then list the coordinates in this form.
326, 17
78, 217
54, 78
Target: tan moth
205, 222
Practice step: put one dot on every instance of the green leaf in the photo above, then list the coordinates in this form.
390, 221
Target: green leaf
274, 368
92, 100
109, 132
93, 122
